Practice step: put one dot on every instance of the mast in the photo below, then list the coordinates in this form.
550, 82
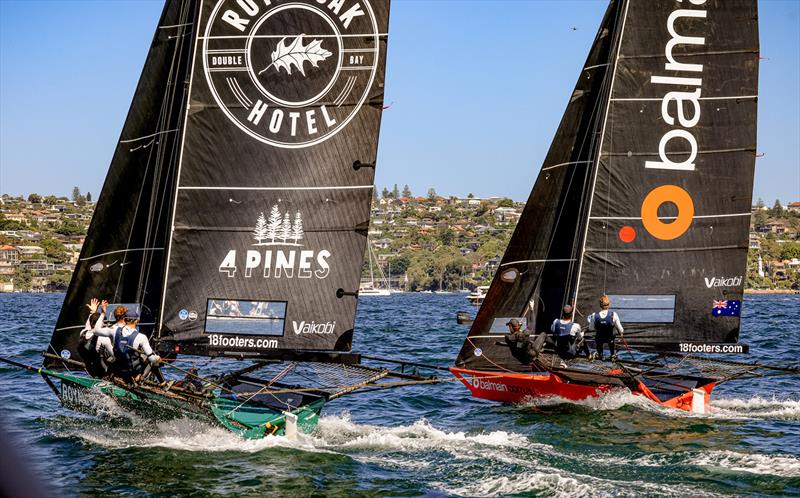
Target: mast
596, 162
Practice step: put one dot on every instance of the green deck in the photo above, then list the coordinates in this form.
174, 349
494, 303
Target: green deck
249, 421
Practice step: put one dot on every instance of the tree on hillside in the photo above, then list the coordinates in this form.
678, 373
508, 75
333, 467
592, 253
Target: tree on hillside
81, 200
385, 193
23, 279
88, 197
432, 194
10, 224
54, 250
790, 250
70, 228
406, 191
761, 217
505, 203
76, 193
470, 196
395, 192
777, 209
447, 236
399, 264
50, 200
35, 199
760, 203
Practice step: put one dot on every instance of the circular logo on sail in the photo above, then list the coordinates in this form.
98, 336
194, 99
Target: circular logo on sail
291, 74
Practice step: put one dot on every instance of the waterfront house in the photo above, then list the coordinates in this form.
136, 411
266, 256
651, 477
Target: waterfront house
793, 207
9, 253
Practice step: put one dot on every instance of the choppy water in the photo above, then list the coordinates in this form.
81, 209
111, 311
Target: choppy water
426, 440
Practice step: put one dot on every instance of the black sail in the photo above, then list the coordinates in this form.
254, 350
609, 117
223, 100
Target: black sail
542, 254
667, 238
122, 258
275, 177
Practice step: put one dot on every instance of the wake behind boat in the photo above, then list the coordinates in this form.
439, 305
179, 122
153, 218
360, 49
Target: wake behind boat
643, 197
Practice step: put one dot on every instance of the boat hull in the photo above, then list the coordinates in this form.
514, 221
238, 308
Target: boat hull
511, 387
251, 422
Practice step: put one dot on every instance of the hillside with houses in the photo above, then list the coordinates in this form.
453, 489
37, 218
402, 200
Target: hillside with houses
416, 243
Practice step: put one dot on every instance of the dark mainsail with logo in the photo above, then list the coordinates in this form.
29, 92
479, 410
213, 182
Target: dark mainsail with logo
645, 193
122, 258
236, 208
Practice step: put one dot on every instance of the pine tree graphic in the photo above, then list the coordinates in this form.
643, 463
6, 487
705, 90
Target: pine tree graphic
260, 232
274, 225
297, 228
286, 229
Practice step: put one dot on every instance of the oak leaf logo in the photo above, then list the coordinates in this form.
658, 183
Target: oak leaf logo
296, 54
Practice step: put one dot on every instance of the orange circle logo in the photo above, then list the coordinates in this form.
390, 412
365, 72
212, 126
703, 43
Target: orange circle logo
627, 234
654, 200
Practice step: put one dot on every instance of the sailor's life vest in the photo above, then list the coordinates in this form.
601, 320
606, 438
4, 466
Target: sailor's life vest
129, 362
523, 347
604, 327
566, 344
87, 350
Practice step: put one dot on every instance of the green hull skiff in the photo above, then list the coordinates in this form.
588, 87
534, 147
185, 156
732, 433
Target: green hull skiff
249, 420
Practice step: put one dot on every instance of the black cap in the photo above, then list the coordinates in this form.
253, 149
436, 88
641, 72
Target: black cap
513, 322
131, 315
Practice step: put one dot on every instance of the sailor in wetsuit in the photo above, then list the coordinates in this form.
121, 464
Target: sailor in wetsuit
605, 323
133, 348
568, 336
134, 356
519, 342
96, 351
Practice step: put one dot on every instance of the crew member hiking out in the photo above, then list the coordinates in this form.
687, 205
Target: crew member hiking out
568, 336
96, 351
605, 323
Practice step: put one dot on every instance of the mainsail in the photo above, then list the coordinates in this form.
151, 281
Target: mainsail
253, 224
645, 193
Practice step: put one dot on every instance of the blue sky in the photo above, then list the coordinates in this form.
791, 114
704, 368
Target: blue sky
477, 89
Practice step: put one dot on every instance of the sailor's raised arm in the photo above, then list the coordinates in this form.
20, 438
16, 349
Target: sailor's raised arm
102, 331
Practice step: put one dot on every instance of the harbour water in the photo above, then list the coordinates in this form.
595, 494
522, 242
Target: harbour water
425, 440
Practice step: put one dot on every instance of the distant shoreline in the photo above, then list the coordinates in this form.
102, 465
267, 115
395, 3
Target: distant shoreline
770, 291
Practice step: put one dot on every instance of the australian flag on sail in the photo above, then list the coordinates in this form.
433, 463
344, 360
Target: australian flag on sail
727, 308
